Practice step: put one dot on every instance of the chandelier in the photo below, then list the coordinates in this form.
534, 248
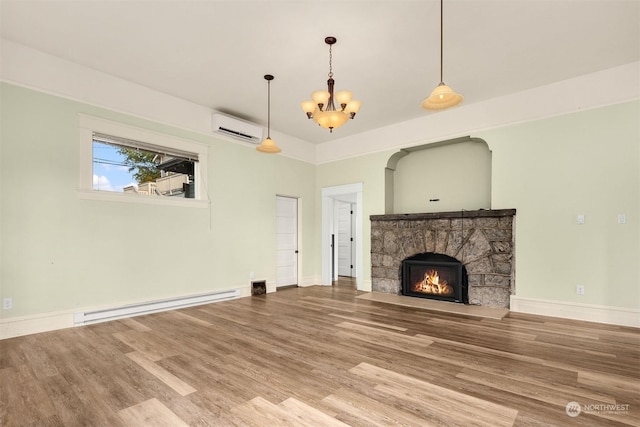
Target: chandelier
322, 109
442, 97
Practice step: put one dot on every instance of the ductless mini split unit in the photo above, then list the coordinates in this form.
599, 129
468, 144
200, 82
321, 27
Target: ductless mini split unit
236, 128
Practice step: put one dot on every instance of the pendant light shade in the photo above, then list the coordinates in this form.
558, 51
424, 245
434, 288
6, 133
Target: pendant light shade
268, 145
442, 97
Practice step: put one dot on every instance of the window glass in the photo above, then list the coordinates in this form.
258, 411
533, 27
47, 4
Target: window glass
122, 166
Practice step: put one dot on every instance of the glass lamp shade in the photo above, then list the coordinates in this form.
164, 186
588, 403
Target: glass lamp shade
268, 146
330, 119
441, 98
352, 107
343, 97
320, 97
308, 106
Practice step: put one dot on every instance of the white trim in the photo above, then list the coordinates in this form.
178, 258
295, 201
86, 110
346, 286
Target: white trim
310, 281
578, 311
607, 87
87, 125
328, 197
112, 196
22, 66
27, 325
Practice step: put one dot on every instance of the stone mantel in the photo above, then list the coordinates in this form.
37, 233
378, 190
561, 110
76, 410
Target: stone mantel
480, 213
482, 240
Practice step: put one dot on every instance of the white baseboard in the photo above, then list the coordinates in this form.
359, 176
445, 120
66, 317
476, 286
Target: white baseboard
366, 285
45, 322
570, 310
27, 325
309, 281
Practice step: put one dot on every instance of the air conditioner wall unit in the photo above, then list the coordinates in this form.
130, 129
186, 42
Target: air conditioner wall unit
236, 128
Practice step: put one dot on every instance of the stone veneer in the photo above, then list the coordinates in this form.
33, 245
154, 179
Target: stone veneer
483, 240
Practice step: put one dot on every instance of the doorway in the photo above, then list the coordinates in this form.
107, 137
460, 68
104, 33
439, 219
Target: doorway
331, 196
346, 238
286, 241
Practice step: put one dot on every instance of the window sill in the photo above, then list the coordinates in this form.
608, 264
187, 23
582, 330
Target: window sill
110, 196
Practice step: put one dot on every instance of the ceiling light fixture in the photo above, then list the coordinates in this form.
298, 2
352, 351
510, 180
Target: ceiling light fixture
322, 109
443, 96
268, 145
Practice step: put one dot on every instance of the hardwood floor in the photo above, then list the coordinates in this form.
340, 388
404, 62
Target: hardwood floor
319, 356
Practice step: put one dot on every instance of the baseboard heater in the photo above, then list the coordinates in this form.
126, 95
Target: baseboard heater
97, 316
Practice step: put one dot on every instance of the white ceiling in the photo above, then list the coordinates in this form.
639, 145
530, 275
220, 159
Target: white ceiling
215, 53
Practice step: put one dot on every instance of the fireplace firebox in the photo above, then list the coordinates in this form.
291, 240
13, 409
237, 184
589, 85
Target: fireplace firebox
435, 276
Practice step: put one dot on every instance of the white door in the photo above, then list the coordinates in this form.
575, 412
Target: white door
345, 239
287, 241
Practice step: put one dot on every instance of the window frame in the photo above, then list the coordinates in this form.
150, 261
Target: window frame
89, 124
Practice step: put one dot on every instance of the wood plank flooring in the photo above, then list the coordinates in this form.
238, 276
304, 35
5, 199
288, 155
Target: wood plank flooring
320, 356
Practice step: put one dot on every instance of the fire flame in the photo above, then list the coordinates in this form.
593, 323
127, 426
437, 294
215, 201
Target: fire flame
431, 284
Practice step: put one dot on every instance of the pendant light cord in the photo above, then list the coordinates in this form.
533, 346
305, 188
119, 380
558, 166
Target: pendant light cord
268, 78
441, 37
269, 109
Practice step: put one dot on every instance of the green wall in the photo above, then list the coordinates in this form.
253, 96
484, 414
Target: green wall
555, 169
457, 176
551, 170
61, 252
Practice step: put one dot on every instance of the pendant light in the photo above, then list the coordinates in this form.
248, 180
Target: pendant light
268, 145
322, 109
443, 96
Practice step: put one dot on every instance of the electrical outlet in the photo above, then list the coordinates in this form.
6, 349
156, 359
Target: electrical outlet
622, 219
580, 219
7, 303
252, 275
580, 289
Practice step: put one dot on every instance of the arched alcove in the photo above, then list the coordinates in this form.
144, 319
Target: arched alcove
449, 175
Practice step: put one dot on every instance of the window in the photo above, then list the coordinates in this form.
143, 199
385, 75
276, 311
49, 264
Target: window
124, 163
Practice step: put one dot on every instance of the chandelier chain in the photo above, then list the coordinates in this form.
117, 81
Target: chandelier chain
330, 61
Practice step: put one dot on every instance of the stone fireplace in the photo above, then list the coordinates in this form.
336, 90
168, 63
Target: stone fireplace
482, 241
